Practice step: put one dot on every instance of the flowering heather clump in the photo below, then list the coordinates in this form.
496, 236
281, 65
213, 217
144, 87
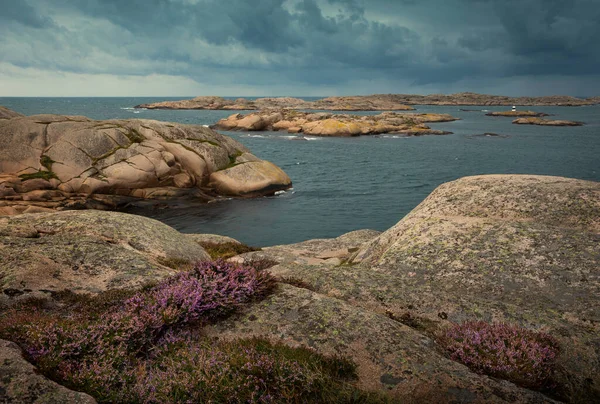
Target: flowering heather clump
141, 350
93, 355
502, 350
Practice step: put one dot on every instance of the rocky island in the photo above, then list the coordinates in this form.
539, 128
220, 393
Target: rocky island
328, 124
546, 122
376, 102
349, 103
513, 114
58, 162
378, 308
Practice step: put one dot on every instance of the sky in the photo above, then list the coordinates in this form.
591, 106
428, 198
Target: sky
298, 47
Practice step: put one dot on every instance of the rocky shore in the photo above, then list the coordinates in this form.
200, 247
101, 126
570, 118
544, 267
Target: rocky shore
546, 122
518, 249
376, 102
72, 162
328, 124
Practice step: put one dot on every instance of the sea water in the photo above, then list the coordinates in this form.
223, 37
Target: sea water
367, 182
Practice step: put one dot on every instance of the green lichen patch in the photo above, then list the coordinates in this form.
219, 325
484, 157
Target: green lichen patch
46, 175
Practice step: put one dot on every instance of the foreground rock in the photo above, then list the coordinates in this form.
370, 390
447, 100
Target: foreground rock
376, 102
517, 113
351, 103
545, 122
6, 113
87, 252
51, 161
327, 124
21, 383
520, 249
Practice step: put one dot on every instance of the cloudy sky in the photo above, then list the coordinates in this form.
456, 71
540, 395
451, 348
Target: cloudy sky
298, 47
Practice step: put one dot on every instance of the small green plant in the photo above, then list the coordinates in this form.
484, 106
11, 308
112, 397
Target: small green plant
47, 162
225, 250
175, 263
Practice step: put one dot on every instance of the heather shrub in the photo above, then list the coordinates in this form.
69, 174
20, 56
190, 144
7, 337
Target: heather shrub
502, 350
143, 350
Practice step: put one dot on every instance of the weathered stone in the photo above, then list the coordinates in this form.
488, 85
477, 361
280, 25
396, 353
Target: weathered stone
6, 113
118, 157
250, 179
89, 251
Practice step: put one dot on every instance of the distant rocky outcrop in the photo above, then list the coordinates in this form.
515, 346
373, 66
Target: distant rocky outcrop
376, 102
54, 161
6, 113
468, 98
352, 103
546, 122
328, 124
517, 114
87, 252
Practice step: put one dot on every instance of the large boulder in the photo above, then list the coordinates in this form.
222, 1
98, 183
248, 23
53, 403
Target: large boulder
137, 158
21, 383
87, 252
6, 113
245, 179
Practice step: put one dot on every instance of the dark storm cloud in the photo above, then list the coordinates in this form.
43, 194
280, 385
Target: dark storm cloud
306, 42
22, 13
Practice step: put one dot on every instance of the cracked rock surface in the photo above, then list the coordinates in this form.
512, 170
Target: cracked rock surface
74, 156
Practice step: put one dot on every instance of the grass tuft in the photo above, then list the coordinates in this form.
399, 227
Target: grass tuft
225, 250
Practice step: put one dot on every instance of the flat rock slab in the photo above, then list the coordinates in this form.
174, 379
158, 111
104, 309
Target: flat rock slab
332, 251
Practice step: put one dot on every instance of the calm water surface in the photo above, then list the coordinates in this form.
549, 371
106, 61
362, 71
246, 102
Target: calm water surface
344, 184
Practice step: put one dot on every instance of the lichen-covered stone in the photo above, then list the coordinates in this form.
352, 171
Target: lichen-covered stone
516, 248
87, 252
390, 356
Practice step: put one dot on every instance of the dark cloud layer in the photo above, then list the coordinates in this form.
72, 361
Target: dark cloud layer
435, 44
